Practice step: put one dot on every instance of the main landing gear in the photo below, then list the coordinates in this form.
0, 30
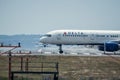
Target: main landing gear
60, 48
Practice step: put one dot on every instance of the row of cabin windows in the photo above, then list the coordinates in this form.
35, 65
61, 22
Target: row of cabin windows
114, 36
107, 36
83, 35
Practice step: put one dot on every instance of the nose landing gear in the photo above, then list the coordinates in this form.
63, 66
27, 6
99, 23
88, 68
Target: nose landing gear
60, 48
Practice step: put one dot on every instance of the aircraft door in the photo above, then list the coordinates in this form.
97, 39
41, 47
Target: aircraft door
92, 37
58, 37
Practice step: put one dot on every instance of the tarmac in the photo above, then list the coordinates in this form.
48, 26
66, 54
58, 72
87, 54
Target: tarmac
68, 51
74, 51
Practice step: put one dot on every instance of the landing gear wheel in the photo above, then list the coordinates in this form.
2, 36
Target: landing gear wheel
60, 52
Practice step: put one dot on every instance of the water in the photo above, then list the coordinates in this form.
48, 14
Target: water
28, 42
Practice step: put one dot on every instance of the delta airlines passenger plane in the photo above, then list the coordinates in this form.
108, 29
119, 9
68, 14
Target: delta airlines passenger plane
106, 40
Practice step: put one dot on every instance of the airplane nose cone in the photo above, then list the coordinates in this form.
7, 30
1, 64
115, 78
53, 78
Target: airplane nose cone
42, 40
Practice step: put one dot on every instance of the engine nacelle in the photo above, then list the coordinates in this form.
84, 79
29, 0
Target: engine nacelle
109, 46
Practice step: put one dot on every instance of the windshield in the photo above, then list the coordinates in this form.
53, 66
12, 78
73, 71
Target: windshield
47, 35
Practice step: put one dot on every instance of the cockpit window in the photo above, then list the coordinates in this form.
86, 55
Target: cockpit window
48, 35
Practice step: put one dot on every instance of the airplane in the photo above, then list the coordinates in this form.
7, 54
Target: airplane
107, 40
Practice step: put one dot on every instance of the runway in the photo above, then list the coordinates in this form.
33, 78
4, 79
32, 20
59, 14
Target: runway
53, 50
75, 51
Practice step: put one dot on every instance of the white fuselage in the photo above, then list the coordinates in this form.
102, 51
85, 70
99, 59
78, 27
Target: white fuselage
76, 37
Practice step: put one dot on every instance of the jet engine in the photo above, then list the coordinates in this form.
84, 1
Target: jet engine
109, 46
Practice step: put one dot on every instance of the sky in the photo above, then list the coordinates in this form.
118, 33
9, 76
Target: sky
42, 16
